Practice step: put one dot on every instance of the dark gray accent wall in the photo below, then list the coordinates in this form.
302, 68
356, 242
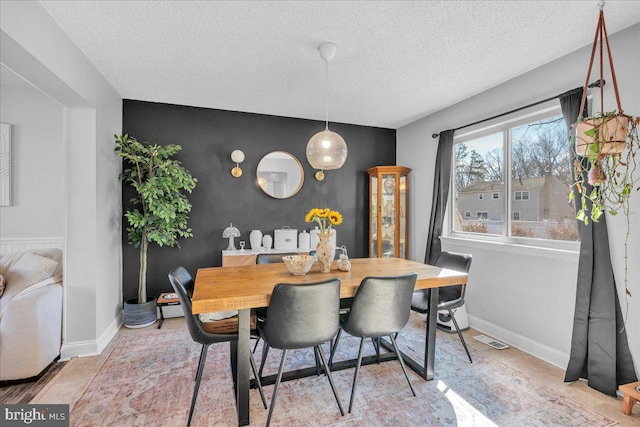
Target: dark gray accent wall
208, 137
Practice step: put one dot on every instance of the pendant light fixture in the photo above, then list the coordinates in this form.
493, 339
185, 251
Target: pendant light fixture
326, 150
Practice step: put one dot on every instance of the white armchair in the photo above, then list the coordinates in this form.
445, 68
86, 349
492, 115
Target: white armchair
30, 312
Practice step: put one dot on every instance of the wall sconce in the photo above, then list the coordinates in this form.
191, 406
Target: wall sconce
238, 157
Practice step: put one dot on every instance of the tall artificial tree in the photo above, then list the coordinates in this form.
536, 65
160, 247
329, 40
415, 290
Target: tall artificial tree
160, 209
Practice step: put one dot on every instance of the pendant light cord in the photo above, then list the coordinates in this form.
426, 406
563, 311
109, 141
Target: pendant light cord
326, 93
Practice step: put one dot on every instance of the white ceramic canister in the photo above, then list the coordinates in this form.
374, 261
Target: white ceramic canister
304, 240
255, 239
267, 240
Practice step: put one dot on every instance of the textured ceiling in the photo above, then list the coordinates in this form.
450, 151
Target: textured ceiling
396, 61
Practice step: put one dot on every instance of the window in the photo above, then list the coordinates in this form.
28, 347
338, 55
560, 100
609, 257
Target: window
467, 214
527, 157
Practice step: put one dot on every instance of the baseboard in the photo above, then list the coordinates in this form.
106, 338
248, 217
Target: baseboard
109, 333
79, 349
91, 347
534, 348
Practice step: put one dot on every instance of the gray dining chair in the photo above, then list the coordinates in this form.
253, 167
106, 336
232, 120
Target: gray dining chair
381, 307
181, 281
449, 297
261, 312
272, 258
301, 316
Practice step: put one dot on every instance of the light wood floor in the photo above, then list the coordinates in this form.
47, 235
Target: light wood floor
70, 383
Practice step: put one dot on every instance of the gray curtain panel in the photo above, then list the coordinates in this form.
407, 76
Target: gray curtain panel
442, 177
599, 348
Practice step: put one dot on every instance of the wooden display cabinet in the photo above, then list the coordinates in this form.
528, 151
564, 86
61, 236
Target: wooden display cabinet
388, 203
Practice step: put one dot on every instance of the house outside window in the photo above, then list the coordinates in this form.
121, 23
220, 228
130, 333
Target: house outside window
527, 157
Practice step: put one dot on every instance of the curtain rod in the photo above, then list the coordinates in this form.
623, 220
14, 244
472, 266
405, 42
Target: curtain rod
597, 83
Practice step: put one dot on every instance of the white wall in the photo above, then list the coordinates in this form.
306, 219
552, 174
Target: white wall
37, 208
34, 47
521, 295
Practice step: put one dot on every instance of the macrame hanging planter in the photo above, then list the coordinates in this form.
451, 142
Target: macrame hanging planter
607, 143
603, 133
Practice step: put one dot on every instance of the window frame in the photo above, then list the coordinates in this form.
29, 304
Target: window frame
504, 124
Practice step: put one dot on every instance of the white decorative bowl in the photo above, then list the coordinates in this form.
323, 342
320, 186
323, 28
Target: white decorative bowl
299, 265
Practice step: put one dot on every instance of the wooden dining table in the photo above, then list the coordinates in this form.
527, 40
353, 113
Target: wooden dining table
245, 287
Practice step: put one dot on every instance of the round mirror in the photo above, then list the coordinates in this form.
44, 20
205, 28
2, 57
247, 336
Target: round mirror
280, 174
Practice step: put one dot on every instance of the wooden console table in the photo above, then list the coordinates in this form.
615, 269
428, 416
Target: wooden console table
248, 256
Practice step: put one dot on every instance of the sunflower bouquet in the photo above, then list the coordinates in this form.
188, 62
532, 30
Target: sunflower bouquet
326, 218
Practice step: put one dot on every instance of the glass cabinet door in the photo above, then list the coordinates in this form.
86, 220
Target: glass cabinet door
388, 211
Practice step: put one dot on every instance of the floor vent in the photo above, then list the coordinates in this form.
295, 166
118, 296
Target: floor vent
491, 342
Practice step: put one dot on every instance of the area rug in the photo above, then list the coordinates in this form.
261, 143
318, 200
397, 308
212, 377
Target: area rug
148, 380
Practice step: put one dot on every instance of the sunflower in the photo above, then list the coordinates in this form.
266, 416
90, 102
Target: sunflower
335, 218
325, 218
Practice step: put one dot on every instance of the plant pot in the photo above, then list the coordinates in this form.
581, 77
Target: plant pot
610, 134
140, 315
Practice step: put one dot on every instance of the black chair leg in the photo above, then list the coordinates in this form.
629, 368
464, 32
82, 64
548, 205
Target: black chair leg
404, 369
315, 353
355, 376
265, 353
203, 357
328, 372
255, 374
275, 387
464, 344
256, 345
201, 361
335, 345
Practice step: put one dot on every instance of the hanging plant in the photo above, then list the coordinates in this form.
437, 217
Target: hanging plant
609, 167
605, 171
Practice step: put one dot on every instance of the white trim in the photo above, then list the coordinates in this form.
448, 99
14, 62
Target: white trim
10, 245
568, 251
534, 348
91, 347
79, 349
109, 333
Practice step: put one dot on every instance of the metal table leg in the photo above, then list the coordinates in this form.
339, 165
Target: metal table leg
161, 316
241, 373
426, 370
430, 337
